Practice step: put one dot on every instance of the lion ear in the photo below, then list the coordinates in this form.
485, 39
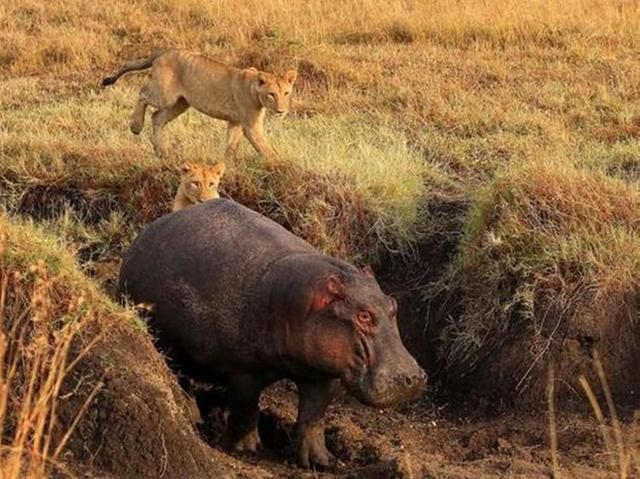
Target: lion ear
291, 76
220, 168
252, 69
186, 168
262, 78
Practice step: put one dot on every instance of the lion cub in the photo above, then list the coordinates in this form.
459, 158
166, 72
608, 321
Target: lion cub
198, 183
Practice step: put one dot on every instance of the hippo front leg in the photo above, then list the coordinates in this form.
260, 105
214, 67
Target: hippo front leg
314, 397
242, 426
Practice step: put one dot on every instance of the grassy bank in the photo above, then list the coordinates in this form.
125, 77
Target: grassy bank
547, 270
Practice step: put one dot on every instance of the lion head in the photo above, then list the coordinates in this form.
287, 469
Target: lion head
274, 91
200, 182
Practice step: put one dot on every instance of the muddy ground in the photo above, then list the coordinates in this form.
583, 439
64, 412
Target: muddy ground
422, 440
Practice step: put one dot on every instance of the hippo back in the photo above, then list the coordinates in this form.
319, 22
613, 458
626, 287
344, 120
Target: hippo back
197, 269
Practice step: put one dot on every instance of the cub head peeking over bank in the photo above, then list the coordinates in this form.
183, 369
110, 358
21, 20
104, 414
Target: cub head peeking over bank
198, 183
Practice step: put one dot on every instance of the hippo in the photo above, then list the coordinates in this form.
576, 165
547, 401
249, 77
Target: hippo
235, 297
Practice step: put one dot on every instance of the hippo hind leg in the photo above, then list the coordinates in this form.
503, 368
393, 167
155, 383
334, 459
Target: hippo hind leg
313, 402
244, 397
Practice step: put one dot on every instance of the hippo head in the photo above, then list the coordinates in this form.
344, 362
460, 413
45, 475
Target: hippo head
352, 332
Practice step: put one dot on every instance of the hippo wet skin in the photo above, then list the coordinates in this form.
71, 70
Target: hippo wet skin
235, 296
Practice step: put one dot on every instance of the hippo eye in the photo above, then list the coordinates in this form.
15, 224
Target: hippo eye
365, 318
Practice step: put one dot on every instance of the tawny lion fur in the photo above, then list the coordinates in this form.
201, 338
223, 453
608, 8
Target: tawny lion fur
180, 79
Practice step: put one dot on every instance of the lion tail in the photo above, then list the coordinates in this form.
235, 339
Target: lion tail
130, 67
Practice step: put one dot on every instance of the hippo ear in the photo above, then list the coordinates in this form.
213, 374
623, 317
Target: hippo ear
393, 306
328, 291
368, 271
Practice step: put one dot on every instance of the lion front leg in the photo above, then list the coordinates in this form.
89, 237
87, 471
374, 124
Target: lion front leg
234, 135
256, 138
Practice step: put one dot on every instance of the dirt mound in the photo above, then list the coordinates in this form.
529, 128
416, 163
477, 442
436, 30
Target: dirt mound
549, 271
87, 366
140, 423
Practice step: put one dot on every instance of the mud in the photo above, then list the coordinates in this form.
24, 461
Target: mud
421, 440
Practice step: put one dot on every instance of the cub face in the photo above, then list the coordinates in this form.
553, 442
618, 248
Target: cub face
200, 182
274, 91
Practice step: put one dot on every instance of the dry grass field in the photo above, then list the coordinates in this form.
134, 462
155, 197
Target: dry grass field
484, 156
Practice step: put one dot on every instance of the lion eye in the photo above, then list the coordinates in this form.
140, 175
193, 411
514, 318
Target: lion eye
286, 93
195, 184
272, 95
211, 185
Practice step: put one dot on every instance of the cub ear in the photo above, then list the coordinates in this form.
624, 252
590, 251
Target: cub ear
329, 290
220, 167
368, 271
186, 168
252, 70
262, 78
291, 76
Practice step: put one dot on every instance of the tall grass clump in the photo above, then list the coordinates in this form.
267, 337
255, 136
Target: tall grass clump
41, 317
549, 268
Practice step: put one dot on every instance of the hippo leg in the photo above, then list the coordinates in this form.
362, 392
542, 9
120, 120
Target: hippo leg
314, 399
242, 428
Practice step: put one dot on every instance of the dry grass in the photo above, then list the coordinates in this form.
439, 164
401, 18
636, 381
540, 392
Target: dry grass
74, 368
77, 35
621, 453
409, 107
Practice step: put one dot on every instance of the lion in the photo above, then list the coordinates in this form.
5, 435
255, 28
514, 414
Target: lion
180, 79
198, 183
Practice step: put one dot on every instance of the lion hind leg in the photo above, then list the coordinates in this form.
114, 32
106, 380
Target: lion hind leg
136, 122
160, 118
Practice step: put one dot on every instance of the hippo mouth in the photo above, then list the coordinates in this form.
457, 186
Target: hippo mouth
381, 392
